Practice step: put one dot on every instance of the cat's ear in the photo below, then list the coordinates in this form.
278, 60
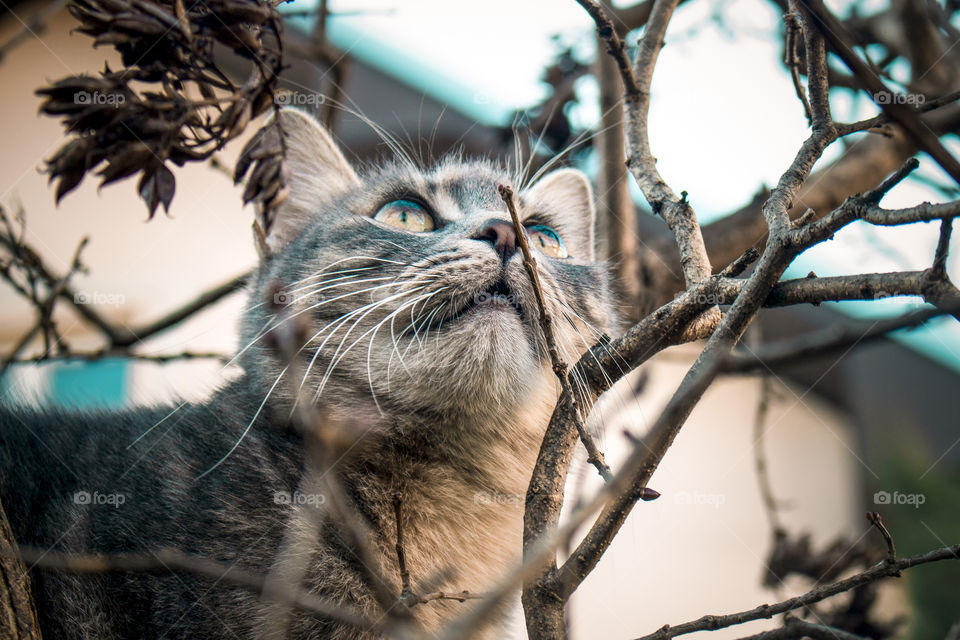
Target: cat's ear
566, 197
315, 171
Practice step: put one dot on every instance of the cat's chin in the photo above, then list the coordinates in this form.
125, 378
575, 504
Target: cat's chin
456, 363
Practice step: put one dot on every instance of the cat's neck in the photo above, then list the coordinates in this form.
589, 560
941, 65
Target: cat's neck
463, 481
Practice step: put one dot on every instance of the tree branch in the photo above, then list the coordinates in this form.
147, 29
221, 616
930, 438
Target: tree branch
164, 561
877, 572
560, 368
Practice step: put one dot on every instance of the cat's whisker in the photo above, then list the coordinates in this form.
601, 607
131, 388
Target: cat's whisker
524, 179
412, 304
246, 429
310, 281
412, 325
389, 139
398, 246
534, 147
333, 326
276, 320
313, 290
334, 358
582, 138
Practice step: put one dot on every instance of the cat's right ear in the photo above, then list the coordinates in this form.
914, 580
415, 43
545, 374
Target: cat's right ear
315, 170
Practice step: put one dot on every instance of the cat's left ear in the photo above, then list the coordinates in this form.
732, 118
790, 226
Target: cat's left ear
565, 196
316, 171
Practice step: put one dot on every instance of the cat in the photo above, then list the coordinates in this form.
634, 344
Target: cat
421, 330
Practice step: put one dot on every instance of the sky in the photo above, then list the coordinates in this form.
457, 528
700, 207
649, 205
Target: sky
724, 118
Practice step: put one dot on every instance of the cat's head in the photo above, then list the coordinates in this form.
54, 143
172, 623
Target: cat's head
410, 282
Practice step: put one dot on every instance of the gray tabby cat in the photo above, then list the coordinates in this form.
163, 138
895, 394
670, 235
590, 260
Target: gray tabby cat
421, 321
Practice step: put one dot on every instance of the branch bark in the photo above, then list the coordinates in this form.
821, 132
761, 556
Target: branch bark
879, 571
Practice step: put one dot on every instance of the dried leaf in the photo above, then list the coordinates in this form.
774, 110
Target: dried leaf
157, 187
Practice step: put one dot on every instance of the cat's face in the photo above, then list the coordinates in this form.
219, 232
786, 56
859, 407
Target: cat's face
412, 283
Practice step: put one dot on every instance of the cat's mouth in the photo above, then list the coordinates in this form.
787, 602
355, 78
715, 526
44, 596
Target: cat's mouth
498, 295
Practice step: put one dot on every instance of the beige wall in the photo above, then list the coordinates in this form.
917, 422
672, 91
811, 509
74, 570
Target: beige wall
700, 547
151, 265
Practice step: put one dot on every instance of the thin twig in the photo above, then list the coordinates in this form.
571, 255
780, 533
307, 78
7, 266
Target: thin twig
939, 268
165, 561
770, 505
607, 32
841, 43
560, 368
874, 573
874, 518
795, 629
406, 592
792, 61
826, 341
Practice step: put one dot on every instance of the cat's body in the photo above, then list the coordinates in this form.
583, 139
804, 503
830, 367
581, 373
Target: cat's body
426, 339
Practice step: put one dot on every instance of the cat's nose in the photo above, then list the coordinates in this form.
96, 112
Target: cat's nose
501, 235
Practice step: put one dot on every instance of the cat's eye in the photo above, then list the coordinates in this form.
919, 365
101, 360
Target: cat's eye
406, 215
548, 241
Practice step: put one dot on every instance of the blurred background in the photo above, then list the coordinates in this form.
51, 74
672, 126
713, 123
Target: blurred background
839, 433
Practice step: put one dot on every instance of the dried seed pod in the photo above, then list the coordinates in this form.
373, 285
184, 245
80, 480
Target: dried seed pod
171, 45
647, 494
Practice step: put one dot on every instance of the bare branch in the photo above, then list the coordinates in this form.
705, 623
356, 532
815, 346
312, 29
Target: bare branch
607, 32
676, 211
792, 61
93, 356
826, 341
874, 518
18, 614
34, 26
406, 591
560, 368
877, 572
795, 628
841, 43
779, 252
164, 561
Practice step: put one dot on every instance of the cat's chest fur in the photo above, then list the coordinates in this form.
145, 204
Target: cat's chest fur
461, 482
